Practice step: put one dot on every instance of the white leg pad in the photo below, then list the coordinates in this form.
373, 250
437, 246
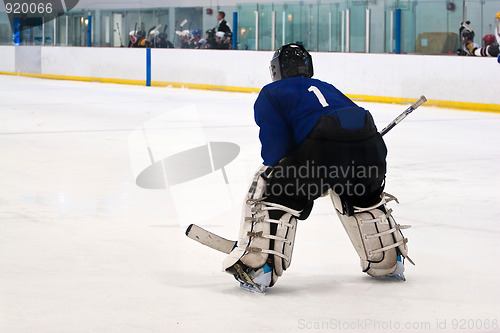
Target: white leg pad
258, 229
284, 241
375, 235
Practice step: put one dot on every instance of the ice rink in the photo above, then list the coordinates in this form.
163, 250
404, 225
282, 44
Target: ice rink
85, 247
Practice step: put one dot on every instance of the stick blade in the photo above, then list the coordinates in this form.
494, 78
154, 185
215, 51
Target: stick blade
209, 239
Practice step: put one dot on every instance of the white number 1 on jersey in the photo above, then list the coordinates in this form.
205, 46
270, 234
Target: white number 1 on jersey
319, 95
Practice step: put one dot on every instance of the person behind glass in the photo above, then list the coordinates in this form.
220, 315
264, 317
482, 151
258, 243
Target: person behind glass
469, 48
141, 39
220, 43
132, 38
163, 42
222, 23
152, 37
313, 137
184, 38
194, 43
210, 38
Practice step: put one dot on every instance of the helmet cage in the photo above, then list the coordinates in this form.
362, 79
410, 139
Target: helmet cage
291, 60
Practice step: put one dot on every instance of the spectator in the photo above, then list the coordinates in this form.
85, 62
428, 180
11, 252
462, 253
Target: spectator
194, 43
469, 48
220, 43
152, 37
210, 39
222, 24
183, 38
141, 39
163, 42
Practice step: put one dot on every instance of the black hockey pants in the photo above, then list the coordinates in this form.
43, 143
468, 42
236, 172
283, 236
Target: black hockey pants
350, 162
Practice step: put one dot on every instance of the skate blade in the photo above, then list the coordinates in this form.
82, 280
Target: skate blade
254, 289
398, 273
400, 277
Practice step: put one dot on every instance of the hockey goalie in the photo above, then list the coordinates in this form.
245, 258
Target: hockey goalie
315, 142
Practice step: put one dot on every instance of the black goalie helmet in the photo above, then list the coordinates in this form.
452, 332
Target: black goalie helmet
291, 60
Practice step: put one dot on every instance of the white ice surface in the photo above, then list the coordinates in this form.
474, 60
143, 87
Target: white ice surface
84, 249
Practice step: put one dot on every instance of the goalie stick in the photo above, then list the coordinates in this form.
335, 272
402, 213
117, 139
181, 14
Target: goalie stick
209, 239
221, 244
403, 115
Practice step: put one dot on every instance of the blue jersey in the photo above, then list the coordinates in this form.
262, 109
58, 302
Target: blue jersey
287, 110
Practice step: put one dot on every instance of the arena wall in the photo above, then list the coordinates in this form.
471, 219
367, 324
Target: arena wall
447, 81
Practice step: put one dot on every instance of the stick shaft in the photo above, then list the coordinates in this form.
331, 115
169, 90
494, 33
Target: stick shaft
403, 115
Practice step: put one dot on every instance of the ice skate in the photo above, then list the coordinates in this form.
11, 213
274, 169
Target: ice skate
254, 279
399, 271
